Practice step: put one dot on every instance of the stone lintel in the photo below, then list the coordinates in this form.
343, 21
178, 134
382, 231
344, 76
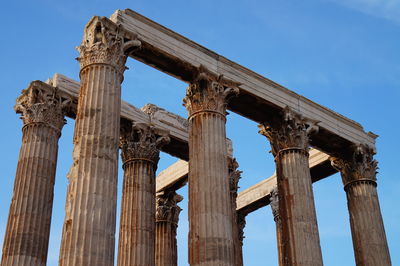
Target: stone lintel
258, 196
177, 126
259, 97
159, 117
254, 197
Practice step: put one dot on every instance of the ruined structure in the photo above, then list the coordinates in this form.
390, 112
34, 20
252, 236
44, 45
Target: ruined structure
309, 142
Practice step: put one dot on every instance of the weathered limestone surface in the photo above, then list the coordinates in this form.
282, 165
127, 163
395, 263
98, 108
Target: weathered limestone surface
177, 126
167, 217
140, 144
234, 176
368, 232
260, 98
89, 227
259, 195
289, 139
160, 118
173, 176
254, 197
210, 212
27, 234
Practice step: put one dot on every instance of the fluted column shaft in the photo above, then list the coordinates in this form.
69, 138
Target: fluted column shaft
278, 222
299, 219
28, 228
167, 216
367, 229
289, 141
210, 211
234, 176
89, 227
137, 227
140, 154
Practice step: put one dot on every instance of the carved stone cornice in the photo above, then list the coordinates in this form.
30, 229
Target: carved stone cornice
241, 221
39, 104
234, 175
140, 141
208, 93
275, 205
102, 45
290, 132
167, 209
360, 168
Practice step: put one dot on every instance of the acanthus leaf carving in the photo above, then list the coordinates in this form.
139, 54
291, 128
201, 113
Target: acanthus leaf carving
142, 141
208, 93
102, 45
291, 131
234, 176
167, 209
360, 167
274, 202
40, 103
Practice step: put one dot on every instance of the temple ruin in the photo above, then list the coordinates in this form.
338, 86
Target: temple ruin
308, 141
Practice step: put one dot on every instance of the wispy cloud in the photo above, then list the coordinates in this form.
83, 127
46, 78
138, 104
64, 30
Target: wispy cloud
387, 9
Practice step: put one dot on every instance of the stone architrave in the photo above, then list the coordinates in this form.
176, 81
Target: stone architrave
368, 232
140, 145
167, 217
210, 212
234, 176
289, 138
277, 218
28, 228
89, 227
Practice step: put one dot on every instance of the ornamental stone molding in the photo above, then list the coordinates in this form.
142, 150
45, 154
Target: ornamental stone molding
167, 209
234, 175
292, 131
39, 105
104, 45
141, 141
361, 167
274, 202
208, 93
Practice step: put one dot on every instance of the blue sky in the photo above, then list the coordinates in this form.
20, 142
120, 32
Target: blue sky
341, 54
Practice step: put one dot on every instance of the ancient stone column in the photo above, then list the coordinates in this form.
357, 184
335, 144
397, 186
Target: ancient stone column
140, 145
89, 227
289, 138
241, 224
277, 218
368, 232
234, 176
167, 217
27, 234
210, 211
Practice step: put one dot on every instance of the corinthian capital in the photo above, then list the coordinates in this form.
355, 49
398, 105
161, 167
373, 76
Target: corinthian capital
234, 175
275, 204
360, 167
142, 141
292, 131
41, 103
102, 43
167, 209
208, 93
